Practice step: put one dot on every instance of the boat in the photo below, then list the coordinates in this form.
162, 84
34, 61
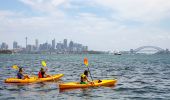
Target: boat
33, 79
73, 85
117, 53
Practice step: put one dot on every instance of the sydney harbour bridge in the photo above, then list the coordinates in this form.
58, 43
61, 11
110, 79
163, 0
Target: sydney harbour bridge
147, 49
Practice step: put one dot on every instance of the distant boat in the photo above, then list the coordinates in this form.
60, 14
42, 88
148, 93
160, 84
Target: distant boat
117, 53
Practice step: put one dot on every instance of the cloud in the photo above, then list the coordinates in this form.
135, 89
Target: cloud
140, 10
50, 7
7, 13
109, 32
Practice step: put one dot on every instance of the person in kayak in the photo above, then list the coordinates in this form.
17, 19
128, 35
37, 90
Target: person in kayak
84, 78
42, 73
20, 74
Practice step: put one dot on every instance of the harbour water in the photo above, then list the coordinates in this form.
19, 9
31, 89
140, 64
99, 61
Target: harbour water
140, 77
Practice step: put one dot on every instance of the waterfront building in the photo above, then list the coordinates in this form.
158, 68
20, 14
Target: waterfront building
36, 44
53, 44
45, 47
60, 47
31, 48
4, 46
15, 45
77, 47
65, 44
71, 45
26, 42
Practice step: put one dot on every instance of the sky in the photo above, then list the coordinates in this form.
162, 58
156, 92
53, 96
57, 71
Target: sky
104, 25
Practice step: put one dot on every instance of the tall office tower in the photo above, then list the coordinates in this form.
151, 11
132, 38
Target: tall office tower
15, 45
53, 44
26, 42
65, 43
71, 45
36, 44
4, 46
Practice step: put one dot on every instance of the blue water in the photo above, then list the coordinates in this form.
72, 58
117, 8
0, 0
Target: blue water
140, 77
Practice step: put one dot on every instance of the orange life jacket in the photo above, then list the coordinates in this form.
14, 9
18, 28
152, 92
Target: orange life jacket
40, 75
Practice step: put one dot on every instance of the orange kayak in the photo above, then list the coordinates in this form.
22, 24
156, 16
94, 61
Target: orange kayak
33, 79
72, 85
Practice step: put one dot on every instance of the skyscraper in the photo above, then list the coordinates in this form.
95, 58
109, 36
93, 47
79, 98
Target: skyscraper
36, 44
26, 42
4, 46
15, 45
71, 45
53, 44
65, 43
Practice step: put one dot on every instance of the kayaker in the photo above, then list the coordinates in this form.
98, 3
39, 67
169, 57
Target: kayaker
84, 78
42, 73
20, 74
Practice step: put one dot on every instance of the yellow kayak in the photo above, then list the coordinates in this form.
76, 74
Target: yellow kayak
72, 85
33, 79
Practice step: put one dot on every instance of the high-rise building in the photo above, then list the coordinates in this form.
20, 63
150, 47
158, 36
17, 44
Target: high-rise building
26, 42
71, 45
60, 47
15, 45
85, 48
53, 44
36, 44
65, 43
4, 46
45, 47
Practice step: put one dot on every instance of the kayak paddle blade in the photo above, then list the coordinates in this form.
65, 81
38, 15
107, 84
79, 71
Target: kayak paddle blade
43, 63
86, 62
15, 67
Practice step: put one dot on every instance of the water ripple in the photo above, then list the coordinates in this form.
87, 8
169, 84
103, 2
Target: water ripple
140, 77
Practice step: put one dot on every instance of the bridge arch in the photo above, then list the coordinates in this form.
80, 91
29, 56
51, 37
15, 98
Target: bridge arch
144, 47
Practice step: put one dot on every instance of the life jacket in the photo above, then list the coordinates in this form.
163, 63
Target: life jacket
40, 75
82, 77
19, 75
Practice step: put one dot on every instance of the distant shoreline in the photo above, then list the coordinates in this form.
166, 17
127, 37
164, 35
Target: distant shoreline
5, 52
48, 52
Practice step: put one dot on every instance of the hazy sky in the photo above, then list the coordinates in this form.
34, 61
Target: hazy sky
100, 24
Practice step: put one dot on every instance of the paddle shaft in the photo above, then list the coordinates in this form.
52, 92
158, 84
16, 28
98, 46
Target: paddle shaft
90, 73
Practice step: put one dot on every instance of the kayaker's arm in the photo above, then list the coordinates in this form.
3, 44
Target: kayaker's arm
26, 76
88, 80
47, 75
46, 69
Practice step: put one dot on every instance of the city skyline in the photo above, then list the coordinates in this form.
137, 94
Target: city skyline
53, 44
102, 25
64, 46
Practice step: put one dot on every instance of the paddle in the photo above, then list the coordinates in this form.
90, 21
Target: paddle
15, 67
86, 63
